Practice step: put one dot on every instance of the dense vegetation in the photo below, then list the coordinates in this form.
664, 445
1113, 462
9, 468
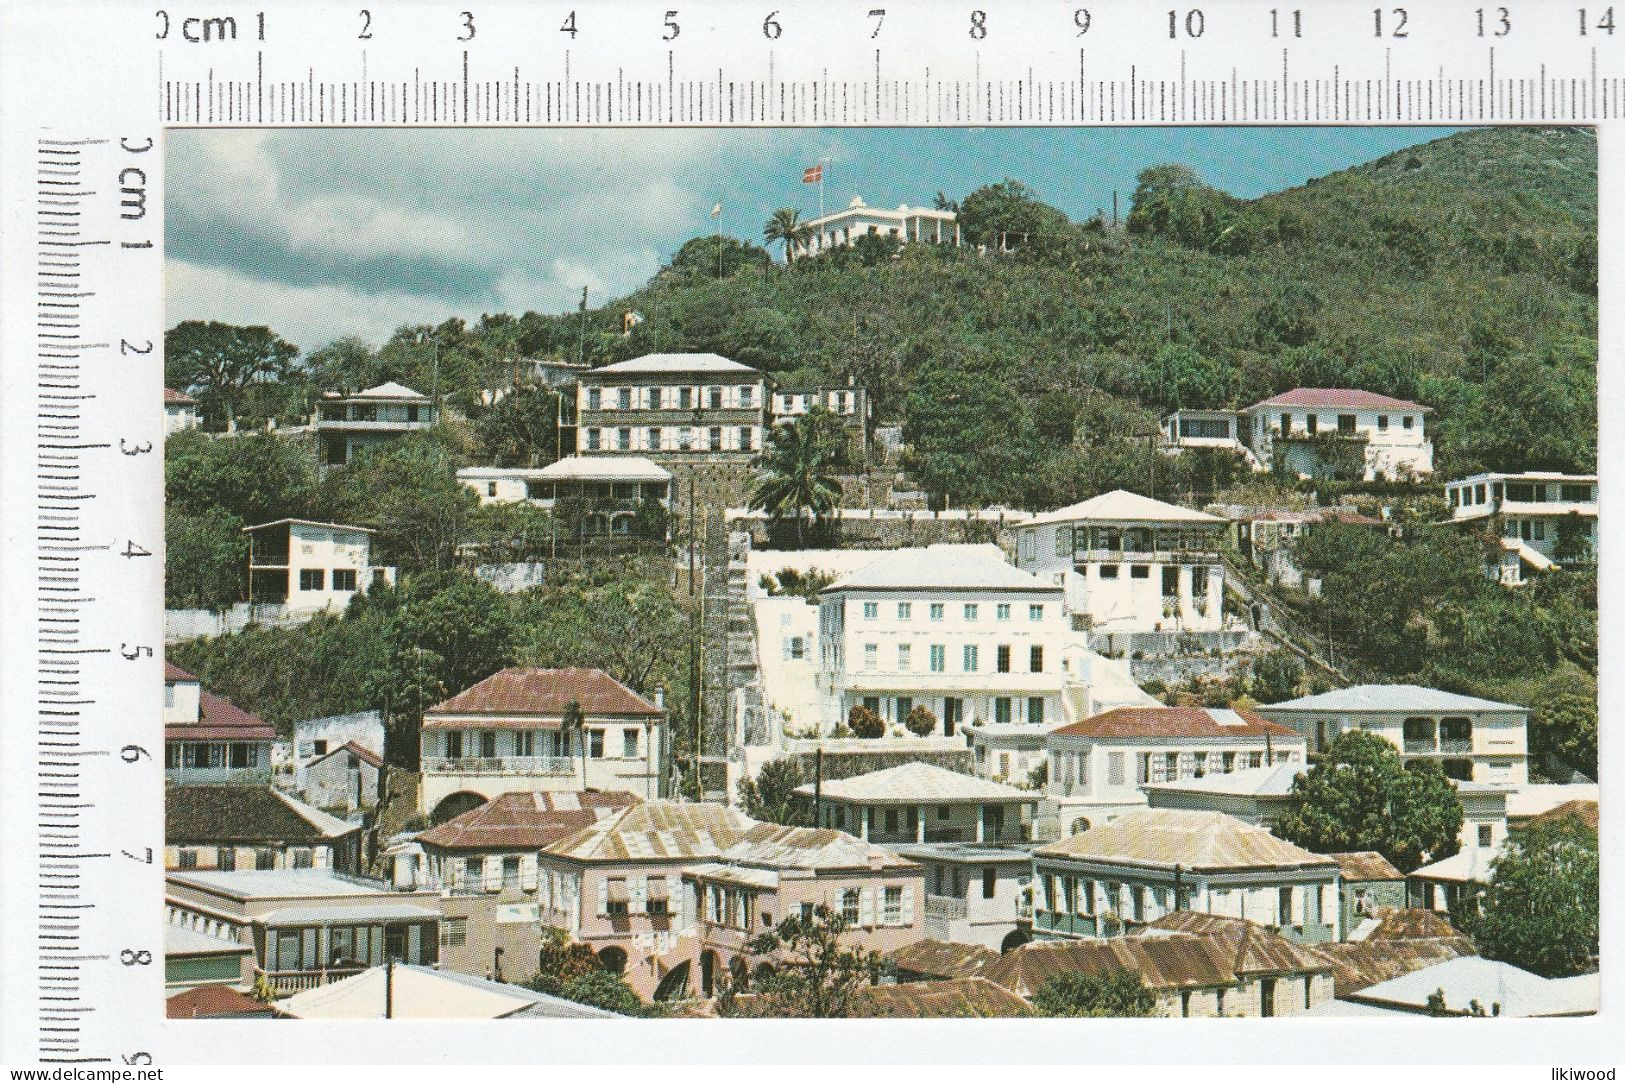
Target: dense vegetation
1540, 911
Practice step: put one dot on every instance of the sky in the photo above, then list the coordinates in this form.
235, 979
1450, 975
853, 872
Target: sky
326, 233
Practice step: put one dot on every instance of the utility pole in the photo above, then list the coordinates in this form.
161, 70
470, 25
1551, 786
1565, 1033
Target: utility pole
581, 342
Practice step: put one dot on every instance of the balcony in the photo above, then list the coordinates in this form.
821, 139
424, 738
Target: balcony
287, 982
500, 765
1421, 746
1146, 556
198, 776
1455, 744
946, 908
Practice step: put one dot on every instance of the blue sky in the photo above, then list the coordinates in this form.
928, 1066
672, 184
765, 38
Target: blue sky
324, 233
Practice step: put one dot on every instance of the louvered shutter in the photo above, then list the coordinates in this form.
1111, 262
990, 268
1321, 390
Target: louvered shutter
866, 907
688, 902
640, 894
1297, 905
528, 875
603, 897
908, 905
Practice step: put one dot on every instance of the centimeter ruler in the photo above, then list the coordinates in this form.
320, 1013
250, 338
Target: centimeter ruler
88, 92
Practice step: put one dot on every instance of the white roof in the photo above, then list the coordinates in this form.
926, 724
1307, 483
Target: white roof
309, 522
1528, 475
1120, 505
390, 390
657, 363
180, 940
277, 883
1469, 865
1388, 697
943, 567
1535, 798
417, 992
1273, 781
325, 822
322, 915
603, 468
924, 783
1471, 977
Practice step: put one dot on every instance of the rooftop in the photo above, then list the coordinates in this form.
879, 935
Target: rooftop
220, 719
1469, 865
1340, 397
525, 821
917, 783
1462, 980
1525, 475
1389, 697
1365, 865
309, 522
1584, 811
214, 1002
969, 852
1524, 802
941, 959
177, 398
389, 390
1400, 942
655, 364
244, 813
246, 884
813, 849
603, 468
1206, 722
1120, 505
365, 755
1198, 841
533, 691
960, 998
1273, 781
657, 831
942, 567
419, 992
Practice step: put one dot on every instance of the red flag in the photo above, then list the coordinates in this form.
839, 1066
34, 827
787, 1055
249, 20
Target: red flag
812, 174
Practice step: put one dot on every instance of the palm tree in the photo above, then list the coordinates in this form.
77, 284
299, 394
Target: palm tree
796, 476
785, 226
570, 724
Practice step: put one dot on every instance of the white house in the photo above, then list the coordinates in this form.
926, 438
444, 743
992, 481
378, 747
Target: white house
975, 894
1130, 563
1215, 429
180, 412
609, 490
694, 406
1476, 740
307, 566
347, 424
906, 225
919, 802
1541, 519
953, 628
1307, 431
1097, 766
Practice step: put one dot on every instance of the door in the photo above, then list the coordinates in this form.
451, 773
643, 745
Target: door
953, 712
1266, 997
395, 943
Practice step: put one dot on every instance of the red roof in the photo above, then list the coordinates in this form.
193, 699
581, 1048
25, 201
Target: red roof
525, 821
178, 397
1344, 397
365, 755
214, 1002
221, 720
172, 673
545, 693
1174, 722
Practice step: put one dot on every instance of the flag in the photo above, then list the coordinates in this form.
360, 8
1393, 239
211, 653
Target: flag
813, 174
716, 211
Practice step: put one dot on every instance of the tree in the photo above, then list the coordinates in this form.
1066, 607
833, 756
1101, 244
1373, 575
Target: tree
620, 617
205, 559
1276, 676
1540, 910
1172, 201
865, 723
1573, 540
717, 256
811, 973
921, 722
217, 362
571, 725
1007, 215
257, 477
795, 478
786, 227
520, 428
560, 961
607, 990
1564, 722
770, 796
408, 490
1360, 796
1107, 994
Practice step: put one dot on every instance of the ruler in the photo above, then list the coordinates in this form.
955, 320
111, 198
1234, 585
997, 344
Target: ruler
89, 91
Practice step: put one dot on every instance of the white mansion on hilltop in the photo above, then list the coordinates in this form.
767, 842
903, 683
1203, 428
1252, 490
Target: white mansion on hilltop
907, 225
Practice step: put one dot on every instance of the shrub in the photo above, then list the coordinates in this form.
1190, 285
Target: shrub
865, 723
921, 722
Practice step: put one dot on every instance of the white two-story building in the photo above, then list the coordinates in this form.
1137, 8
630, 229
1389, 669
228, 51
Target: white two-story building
348, 424
1541, 519
307, 566
684, 406
1320, 432
1130, 563
1474, 740
952, 628
905, 225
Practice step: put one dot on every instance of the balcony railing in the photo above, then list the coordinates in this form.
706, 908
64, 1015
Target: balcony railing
212, 775
946, 907
287, 982
1420, 746
1149, 556
346, 425
1455, 744
500, 765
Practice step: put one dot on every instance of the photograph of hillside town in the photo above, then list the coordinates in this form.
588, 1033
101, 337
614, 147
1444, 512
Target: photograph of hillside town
881, 573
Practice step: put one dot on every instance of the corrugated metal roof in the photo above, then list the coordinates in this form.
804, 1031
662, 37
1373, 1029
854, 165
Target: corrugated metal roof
1197, 840
219, 719
764, 879
1168, 722
940, 959
1517, 992
917, 782
603, 468
525, 821
1120, 505
810, 848
215, 1002
962, 998
418, 992
1365, 865
522, 690
943, 567
277, 883
1389, 697
1403, 940
661, 363
1584, 811
245, 813
324, 915
1163, 962
657, 831
1256, 949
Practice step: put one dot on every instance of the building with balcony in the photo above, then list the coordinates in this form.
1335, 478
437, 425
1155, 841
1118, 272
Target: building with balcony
605, 494
1129, 563
508, 734
308, 566
180, 412
692, 407
773, 872
1217, 430
1316, 432
920, 802
229, 827
905, 225
1540, 520
308, 927
209, 739
951, 628
1473, 739
617, 886
1097, 766
1269, 540
1145, 865
346, 425
975, 894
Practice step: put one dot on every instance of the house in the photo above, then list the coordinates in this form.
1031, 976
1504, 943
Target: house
608, 493
1472, 986
180, 412
919, 802
690, 407
494, 847
1195, 965
1114, 879
406, 991
1316, 432
1129, 563
1448, 885
1255, 795
1472, 739
1542, 520
1098, 766
507, 733
905, 225
1392, 943
215, 1002
953, 629
940, 960
1217, 430
194, 960
617, 886
309, 566
346, 780
772, 872
975, 894
1367, 884
209, 739
346, 425
307, 926
314, 737
229, 826
1269, 540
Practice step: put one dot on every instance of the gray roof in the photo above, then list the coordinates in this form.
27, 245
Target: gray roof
180, 940
603, 468
1389, 697
942, 567
420, 992
1120, 505
659, 363
968, 852
917, 783
1470, 977
277, 883
322, 915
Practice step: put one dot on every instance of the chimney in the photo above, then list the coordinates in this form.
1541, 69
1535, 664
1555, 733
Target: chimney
660, 698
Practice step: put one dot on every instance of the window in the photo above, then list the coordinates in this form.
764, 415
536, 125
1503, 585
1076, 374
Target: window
936, 610
745, 396
524, 743
990, 881
264, 858
871, 610
939, 658
905, 657
595, 744
953, 712
905, 610
1283, 907
1170, 581
1035, 659
593, 438
1409, 421
1002, 656
1114, 768
186, 858
1035, 710
1001, 611
716, 398
312, 578
595, 398
685, 439
169, 697
344, 579
623, 398
488, 745
629, 744
1312, 423
714, 439
1345, 423
301, 857
490, 488
1108, 571
623, 439
685, 398
1063, 541
849, 906
970, 657
871, 656
225, 858
453, 932
970, 610
891, 821
1255, 759
893, 907
1382, 422
746, 442
617, 904
1035, 613
1486, 835
1001, 710
1139, 571
1576, 494
510, 872
454, 745
654, 438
